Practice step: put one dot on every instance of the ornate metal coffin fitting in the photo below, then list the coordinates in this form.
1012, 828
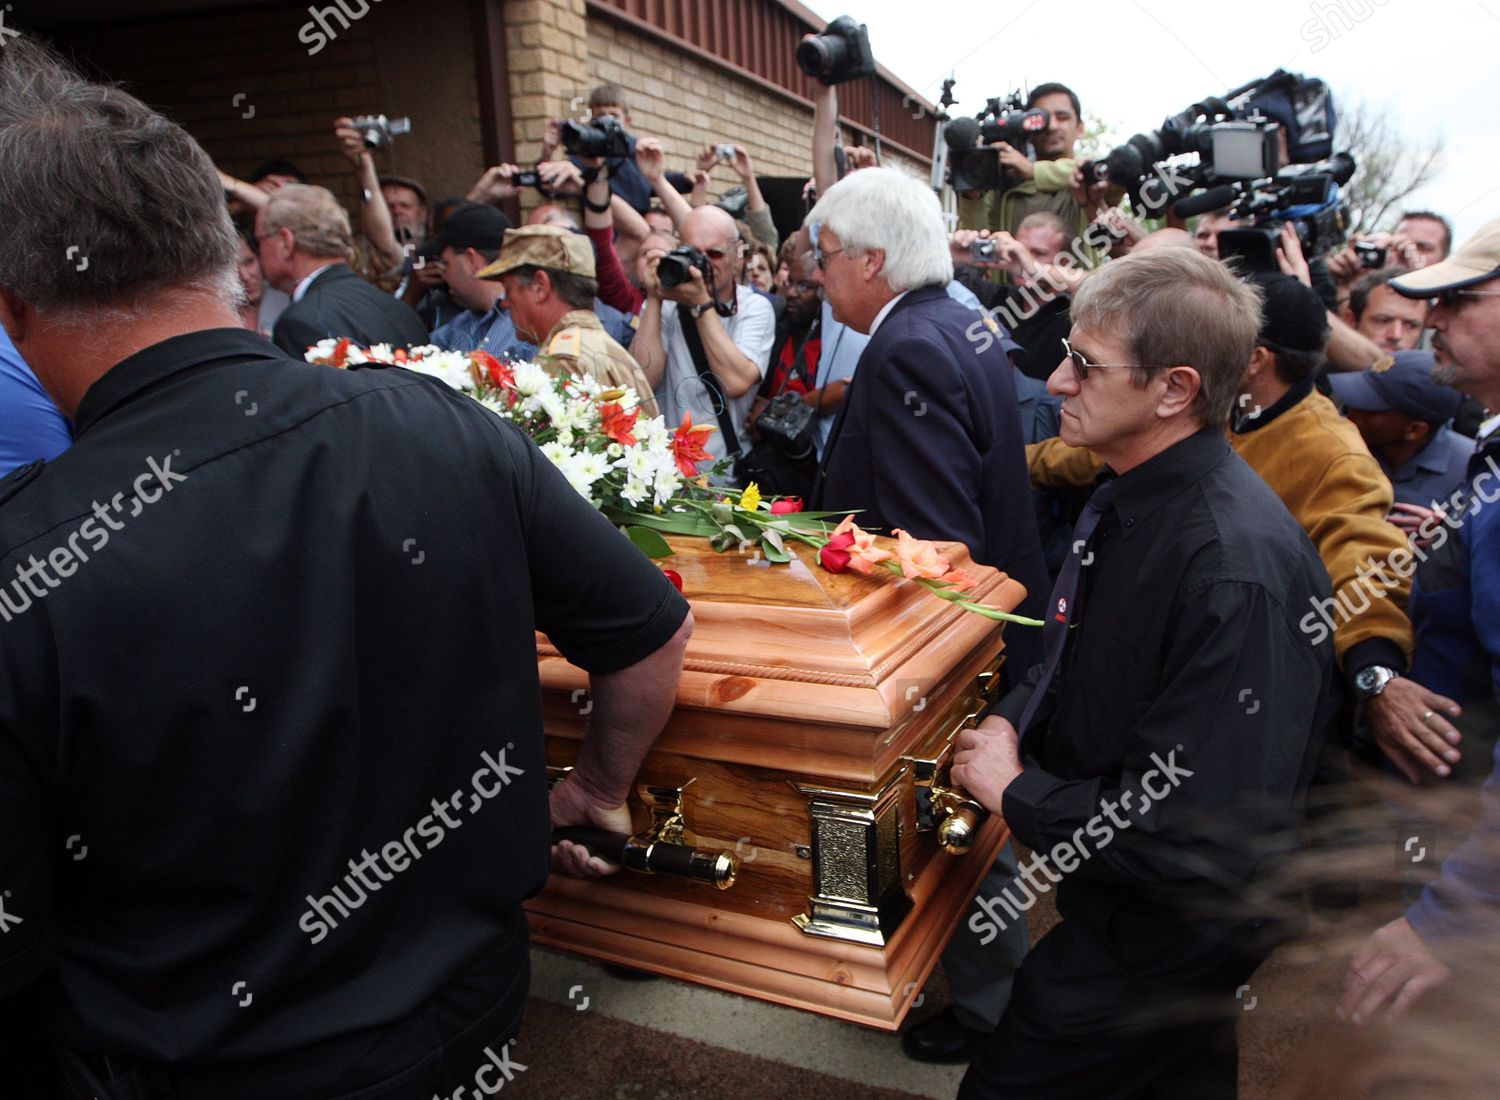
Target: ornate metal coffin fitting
664, 848
856, 845
954, 815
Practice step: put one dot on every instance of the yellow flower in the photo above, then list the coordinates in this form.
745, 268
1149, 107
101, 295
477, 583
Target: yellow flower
750, 498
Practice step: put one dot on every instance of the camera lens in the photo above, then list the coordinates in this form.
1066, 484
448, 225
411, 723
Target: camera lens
821, 54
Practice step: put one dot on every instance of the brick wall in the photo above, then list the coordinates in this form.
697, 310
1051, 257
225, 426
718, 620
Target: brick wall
193, 66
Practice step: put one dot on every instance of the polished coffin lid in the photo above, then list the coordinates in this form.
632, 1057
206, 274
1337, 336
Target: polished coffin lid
809, 649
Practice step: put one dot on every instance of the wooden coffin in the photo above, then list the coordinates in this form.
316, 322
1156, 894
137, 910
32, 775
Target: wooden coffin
809, 745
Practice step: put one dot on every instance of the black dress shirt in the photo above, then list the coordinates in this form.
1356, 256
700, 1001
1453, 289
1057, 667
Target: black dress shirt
1187, 661
282, 651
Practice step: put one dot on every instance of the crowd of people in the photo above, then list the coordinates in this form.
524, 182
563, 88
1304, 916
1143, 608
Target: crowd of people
1253, 509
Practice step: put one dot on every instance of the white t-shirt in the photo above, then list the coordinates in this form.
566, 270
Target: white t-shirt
753, 330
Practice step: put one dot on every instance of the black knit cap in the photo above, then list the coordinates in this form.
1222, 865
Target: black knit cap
1293, 316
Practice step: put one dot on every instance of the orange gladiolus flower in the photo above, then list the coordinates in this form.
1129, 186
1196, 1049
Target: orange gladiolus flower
864, 555
616, 423
959, 579
687, 445
918, 557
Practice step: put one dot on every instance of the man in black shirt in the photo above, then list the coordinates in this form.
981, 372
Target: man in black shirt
271, 764
1166, 742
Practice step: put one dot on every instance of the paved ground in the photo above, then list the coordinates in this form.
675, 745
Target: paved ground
592, 1036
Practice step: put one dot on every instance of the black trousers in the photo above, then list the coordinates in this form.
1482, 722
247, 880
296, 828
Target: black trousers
1123, 1006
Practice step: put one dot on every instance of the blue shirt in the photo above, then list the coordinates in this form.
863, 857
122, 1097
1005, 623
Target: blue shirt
1434, 471
30, 425
492, 331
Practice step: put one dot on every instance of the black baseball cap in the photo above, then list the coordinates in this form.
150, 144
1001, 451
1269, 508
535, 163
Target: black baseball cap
1401, 382
277, 168
473, 225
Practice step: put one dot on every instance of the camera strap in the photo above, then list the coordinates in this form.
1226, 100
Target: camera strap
710, 382
798, 367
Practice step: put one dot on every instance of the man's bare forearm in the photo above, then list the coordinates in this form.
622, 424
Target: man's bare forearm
733, 368
630, 708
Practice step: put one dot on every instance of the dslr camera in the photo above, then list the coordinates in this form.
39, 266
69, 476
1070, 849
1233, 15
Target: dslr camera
377, 130
601, 137
676, 267
842, 52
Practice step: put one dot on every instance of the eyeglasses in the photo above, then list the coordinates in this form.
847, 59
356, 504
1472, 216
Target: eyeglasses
1081, 365
824, 257
1449, 299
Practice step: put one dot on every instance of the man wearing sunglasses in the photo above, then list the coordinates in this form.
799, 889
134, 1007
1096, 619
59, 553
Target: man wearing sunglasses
1456, 613
705, 343
1157, 759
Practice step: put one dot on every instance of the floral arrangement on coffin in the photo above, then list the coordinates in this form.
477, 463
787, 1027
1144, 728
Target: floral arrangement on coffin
645, 477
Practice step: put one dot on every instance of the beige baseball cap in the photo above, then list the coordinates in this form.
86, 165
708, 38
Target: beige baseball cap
1477, 261
549, 246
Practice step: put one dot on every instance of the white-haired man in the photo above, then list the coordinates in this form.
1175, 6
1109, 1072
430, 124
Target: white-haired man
930, 438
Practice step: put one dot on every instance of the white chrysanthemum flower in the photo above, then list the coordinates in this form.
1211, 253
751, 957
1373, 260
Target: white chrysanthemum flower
566, 436
532, 380
614, 450
587, 385
651, 432
639, 463
635, 492
557, 453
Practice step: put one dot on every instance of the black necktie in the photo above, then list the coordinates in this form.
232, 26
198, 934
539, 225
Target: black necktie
1062, 609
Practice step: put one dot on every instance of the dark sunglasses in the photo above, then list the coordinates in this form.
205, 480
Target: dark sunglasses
1081, 365
1450, 299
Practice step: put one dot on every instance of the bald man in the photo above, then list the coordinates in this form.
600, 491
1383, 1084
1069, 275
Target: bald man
705, 342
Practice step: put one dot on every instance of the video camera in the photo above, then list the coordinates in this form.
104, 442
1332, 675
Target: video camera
842, 52
1237, 139
377, 130
974, 166
1308, 198
604, 136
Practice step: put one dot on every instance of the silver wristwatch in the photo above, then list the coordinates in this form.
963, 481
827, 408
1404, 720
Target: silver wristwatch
1370, 682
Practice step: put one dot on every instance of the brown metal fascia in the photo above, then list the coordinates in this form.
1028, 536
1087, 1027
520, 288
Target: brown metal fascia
635, 22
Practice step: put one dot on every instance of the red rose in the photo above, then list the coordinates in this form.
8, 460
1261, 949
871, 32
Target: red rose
675, 577
835, 556
786, 506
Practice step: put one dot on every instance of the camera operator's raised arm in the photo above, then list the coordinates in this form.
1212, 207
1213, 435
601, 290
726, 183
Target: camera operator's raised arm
374, 215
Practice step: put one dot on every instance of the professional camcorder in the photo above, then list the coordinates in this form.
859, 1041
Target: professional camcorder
976, 167
676, 266
842, 52
1307, 197
604, 136
377, 130
1236, 138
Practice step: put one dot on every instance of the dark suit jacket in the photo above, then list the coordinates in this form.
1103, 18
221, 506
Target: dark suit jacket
929, 440
339, 303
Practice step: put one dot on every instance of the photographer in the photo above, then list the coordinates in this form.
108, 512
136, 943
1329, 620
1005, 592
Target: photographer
625, 179
784, 462
1419, 239
1044, 184
704, 341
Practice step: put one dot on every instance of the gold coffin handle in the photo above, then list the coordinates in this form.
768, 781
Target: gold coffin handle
958, 816
650, 856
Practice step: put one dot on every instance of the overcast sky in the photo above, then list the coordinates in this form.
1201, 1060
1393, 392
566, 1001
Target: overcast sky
1433, 63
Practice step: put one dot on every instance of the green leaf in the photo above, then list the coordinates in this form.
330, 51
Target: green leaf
648, 542
774, 551
773, 537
